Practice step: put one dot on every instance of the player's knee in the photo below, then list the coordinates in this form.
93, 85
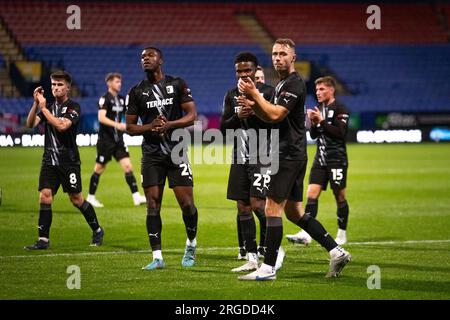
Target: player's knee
153, 212
45, 197
313, 194
153, 204
258, 209
99, 169
189, 210
76, 199
339, 196
243, 207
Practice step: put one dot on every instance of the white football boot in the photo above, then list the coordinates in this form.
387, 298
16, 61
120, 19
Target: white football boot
138, 199
301, 237
341, 237
93, 201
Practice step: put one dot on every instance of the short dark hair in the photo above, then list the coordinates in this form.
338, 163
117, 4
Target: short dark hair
259, 68
286, 41
156, 49
61, 75
112, 75
246, 57
327, 80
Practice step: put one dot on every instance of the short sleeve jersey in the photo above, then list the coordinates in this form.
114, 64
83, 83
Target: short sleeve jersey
148, 100
61, 147
290, 93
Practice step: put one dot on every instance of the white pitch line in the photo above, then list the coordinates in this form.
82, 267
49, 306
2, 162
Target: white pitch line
208, 249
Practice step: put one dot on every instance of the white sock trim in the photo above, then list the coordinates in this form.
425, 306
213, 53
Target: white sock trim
157, 254
266, 268
192, 243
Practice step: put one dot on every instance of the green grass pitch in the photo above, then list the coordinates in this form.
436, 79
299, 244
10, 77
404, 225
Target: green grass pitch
399, 198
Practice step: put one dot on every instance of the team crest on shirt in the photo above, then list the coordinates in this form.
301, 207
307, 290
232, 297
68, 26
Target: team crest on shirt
63, 110
330, 113
169, 89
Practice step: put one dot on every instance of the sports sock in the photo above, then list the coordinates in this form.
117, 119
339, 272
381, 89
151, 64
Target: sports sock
342, 214
89, 214
45, 220
312, 206
131, 180
154, 228
262, 226
317, 231
190, 218
239, 232
94, 183
274, 235
248, 228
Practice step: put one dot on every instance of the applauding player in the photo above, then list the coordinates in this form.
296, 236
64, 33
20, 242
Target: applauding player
61, 160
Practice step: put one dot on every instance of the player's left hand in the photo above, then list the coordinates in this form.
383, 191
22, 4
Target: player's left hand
165, 126
315, 116
247, 87
246, 107
42, 102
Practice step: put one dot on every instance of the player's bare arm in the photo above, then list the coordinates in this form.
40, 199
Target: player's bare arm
263, 108
103, 119
32, 119
185, 121
60, 124
135, 129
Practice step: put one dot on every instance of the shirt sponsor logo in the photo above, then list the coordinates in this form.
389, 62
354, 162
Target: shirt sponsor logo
159, 103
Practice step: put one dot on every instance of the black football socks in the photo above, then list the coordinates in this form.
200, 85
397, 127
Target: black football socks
190, 218
260, 214
131, 181
312, 205
89, 214
94, 183
45, 220
317, 231
154, 228
248, 229
342, 214
274, 235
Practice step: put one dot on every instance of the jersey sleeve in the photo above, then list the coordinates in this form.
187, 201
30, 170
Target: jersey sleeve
342, 115
338, 128
185, 92
41, 116
73, 113
102, 103
131, 102
269, 92
290, 94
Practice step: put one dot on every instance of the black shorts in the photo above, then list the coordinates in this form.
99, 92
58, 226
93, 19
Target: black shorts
336, 174
247, 180
155, 169
287, 183
107, 149
69, 176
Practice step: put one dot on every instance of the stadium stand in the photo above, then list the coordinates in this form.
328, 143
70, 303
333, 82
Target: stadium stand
402, 67
346, 24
